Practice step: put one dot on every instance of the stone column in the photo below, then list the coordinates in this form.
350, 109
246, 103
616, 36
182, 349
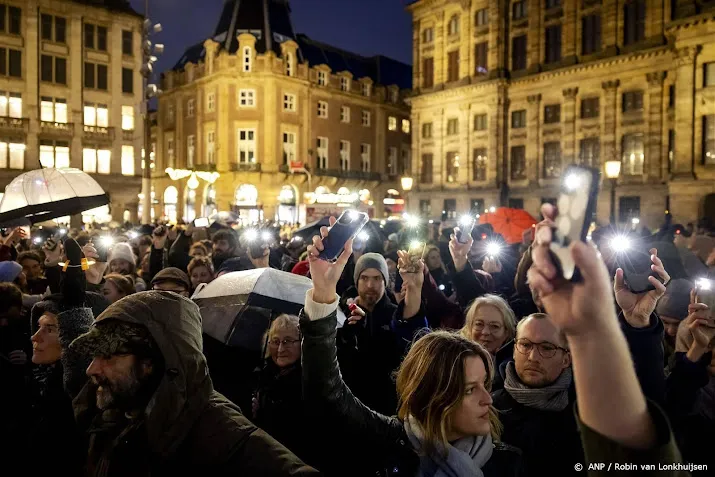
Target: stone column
498, 42
466, 40
654, 18
440, 53
610, 13
654, 166
535, 37
569, 36
416, 60
465, 150
533, 127
684, 108
568, 125
609, 113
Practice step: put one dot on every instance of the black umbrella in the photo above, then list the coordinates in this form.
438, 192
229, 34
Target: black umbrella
44, 194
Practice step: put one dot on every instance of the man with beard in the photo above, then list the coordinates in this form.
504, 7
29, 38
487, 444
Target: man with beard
672, 310
150, 407
225, 246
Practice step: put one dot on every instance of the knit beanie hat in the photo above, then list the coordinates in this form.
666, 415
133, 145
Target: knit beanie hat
674, 304
124, 251
174, 275
9, 271
372, 260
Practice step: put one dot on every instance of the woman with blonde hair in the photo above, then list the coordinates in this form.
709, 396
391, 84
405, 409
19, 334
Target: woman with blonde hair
491, 323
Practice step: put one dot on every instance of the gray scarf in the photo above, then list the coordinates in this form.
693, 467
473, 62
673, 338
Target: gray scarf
554, 397
463, 458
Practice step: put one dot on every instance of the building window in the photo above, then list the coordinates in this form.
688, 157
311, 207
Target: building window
366, 118
246, 146
344, 114
709, 74
629, 207
552, 159
476, 206
95, 76
128, 160
453, 25
633, 22
52, 110
425, 207
671, 95
289, 147
392, 160
128, 118
427, 131
322, 152
12, 155
590, 152
405, 160
322, 78
518, 119
392, 123
449, 209
211, 102
633, 154
170, 152
53, 69
289, 102
344, 84
10, 105
632, 101
479, 164
590, 34
53, 28
406, 126
52, 154
453, 65
553, 44
247, 59
365, 157
480, 122
323, 109
426, 169
552, 113
708, 139
344, 155
10, 63
95, 37
127, 43
590, 108
427, 72
190, 151
211, 147
552, 3
452, 126
671, 149
96, 161
518, 163
428, 35
481, 58
518, 10
515, 203
170, 113
289, 64
366, 90
190, 108
481, 18
518, 53
452, 166
96, 115
10, 20
247, 98
127, 81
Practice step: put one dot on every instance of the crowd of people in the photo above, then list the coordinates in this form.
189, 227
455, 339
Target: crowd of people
457, 357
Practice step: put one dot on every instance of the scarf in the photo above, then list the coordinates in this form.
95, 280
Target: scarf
463, 458
554, 397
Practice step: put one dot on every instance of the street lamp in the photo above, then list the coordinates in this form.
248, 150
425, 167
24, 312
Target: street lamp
406, 182
613, 170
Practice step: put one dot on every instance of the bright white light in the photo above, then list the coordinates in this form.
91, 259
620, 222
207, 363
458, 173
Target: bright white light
431, 221
250, 235
704, 284
382, 223
133, 234
466, 220
107, 241
266, 236
363, 236
37, 240
572, 182
63, 231
493, 249
415, 244
441, 287
297, 238
354, 215
492, 209
478, 215
635, 221
412, 221
620, 243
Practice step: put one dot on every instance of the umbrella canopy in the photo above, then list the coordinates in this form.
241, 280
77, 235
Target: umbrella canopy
44, 194
510, 223
308, 231
237, 308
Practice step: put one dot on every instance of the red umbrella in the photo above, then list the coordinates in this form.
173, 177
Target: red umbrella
510, 223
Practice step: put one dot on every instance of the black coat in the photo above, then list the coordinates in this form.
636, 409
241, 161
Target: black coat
387, 449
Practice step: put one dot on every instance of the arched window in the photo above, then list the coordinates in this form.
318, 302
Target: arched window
453, 27
190, 205
210, 201
247, 58
246, 194
171, 198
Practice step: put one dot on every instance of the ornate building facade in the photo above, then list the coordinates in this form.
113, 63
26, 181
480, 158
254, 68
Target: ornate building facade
508, 93
274, 125
70, 91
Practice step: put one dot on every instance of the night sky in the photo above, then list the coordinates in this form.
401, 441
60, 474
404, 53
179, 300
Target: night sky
366, 27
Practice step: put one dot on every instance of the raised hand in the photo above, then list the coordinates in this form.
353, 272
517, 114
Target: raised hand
159, 237
326, 275
53, 255
412, 271
356, 313
460, 251
492, 265
637, 308
16, 235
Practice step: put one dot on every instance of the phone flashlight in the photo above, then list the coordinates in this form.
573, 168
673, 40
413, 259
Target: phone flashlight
466, 220
107, 241
63, 231
493, 249
412, 221
37, 240
266, 236
133, 235
704, 284
620, 243
363, 236
250, 235
415, 244
572, 182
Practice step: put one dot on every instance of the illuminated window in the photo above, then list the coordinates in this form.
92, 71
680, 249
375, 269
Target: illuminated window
344, 155
289, 102
10, 105
128, 118
211, 102
247, 98
96, 161
406, 126
96, 115
322, 152
190, 108
53, 110
288, 147
392, 123
322, 109
190, 151
365, 160
246, 146
54, 153
344, 114
128, 160
211, 147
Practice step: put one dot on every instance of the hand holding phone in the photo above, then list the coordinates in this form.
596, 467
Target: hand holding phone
346, 228
705, 293
326, 274
466, 225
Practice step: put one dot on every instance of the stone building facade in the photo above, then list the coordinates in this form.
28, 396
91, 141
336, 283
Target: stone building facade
508, 93
257, 101
70, 91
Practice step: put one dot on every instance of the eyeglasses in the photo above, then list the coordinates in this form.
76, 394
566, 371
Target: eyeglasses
275, 343
545, 349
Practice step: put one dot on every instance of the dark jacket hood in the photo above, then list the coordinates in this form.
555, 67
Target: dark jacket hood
184, 391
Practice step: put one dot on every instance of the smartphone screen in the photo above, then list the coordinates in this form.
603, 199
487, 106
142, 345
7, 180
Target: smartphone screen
576, 204
346, 227
201, 222
705, 291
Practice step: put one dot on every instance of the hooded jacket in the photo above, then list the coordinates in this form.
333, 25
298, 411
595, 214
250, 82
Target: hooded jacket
187, 428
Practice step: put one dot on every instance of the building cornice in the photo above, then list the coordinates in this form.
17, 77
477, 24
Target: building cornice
689, 22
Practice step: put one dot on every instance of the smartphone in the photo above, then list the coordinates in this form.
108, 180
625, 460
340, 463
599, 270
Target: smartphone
160, 231
348, 225
576, 205
466, 225
635, 262
416, 253
201, 222
257, 246
705, 293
